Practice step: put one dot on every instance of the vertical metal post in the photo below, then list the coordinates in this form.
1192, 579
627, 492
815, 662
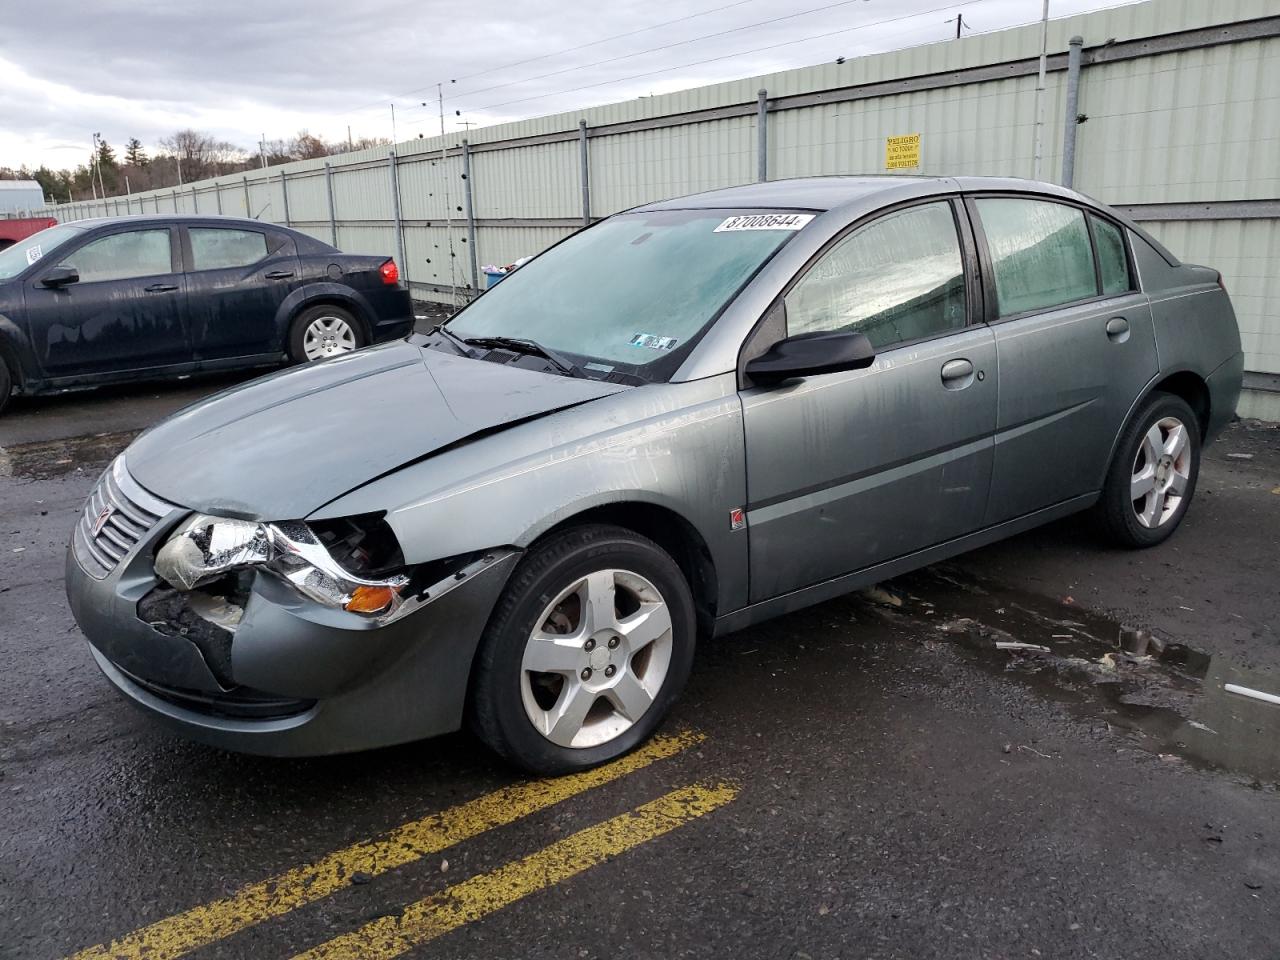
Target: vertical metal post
584, 165
1038, 150
333, 220
175, 201
248, 208
1074, 48
471, 217
217, 194
395, 209
284, 196
762, 136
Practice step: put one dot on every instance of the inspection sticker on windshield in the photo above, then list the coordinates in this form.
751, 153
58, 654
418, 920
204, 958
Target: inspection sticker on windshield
34, 254
653, 342
765, 221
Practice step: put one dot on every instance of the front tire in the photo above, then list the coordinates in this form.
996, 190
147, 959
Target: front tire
1153, 475
6, 385
587, 649
324, 331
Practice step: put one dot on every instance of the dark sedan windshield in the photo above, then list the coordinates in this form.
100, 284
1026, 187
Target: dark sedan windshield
35, 247
635, 292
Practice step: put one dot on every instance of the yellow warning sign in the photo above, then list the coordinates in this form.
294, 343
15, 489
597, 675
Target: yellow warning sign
902, 153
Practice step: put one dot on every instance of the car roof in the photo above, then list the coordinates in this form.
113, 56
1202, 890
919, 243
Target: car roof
804, 193
212, 219
856, 195
833, 192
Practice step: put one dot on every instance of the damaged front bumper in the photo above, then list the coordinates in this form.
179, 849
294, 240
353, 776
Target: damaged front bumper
266, 670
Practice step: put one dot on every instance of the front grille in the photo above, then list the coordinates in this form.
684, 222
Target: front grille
116, 516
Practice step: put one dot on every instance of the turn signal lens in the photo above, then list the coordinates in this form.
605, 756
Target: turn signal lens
390, 272
370, 599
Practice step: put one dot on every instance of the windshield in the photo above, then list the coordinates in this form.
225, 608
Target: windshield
632, 294
26, 252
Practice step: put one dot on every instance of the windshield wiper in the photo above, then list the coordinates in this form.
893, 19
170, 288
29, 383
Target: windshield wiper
456, 340
524, 345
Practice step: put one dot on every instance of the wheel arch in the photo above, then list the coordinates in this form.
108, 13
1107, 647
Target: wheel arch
669, 530
1187, 385
1192, 388
14, 349
318, 295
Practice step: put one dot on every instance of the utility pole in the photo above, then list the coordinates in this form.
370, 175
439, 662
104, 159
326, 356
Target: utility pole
97, 160
177, 159
958, 19
394, 141
262, 148
448, 208
1040, 96
350, 145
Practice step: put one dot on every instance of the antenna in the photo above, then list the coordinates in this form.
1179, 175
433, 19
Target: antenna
958, 20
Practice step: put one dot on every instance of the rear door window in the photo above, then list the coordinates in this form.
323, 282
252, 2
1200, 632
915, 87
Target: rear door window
1113, 263
216, 248
1040, 253
122, 256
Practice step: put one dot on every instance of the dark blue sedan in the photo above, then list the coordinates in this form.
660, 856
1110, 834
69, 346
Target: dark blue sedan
100, 301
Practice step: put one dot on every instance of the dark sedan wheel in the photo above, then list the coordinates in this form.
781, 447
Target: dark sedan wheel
324, 331
586, 651
1153, 475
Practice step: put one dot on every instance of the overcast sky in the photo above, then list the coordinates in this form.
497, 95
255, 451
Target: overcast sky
239, 68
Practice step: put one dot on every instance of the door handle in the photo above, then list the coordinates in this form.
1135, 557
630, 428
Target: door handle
278, 275
1117, 329
161, 287
957, 374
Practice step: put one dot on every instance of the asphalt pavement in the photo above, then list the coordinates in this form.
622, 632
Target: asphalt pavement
1025, 752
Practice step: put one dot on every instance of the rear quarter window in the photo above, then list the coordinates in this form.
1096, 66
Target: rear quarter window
1113, 262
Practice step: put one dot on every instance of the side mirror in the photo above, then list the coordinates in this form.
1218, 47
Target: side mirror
60, 276
807, 354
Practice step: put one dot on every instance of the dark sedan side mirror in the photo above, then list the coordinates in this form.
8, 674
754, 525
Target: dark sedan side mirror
807, 354
60, 277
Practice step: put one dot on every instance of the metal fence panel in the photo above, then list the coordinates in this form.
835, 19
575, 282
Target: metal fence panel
538, 181
648, 165
363, 193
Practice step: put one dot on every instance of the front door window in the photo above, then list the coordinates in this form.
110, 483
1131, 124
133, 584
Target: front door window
898, 279
121, 256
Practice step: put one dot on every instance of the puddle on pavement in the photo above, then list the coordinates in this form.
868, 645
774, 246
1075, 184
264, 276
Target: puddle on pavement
56, 458
1168, 698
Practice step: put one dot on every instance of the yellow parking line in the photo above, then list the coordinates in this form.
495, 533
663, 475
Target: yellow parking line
275, 896
481, 895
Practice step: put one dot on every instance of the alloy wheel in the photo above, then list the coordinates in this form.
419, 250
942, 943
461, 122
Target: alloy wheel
1161, 472
328, 336
596, 659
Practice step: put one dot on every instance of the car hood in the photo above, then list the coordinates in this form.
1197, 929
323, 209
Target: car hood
281, 447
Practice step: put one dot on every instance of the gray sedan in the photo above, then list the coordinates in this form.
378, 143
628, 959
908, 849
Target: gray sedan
688, 418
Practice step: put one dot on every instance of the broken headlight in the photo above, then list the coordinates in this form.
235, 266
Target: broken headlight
345, 564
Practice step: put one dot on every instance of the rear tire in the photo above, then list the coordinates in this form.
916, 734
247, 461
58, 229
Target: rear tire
585, 652
324, 331
1153, 475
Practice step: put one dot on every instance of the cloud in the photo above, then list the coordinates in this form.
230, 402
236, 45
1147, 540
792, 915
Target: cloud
241, 68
